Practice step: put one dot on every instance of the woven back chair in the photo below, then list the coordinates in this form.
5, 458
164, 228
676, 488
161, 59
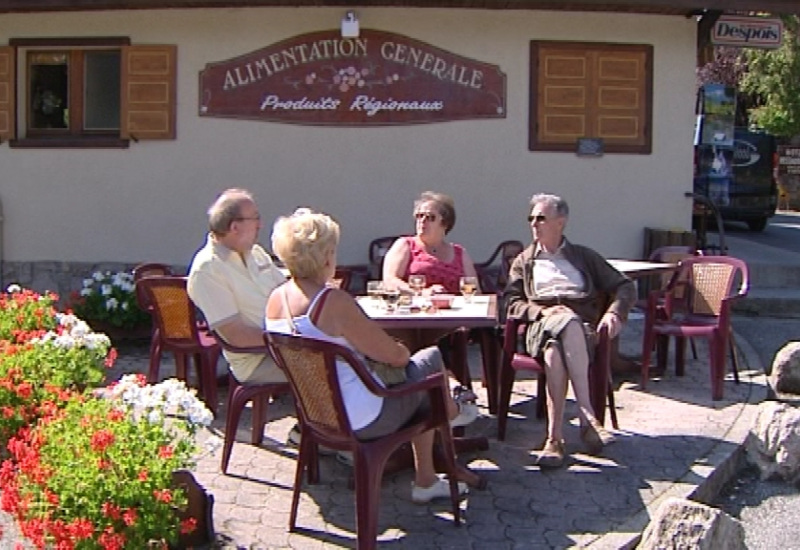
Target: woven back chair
710, 285
311, 367
140, 272
174, 313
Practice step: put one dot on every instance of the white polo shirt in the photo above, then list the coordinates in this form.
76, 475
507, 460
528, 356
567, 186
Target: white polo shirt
223, 287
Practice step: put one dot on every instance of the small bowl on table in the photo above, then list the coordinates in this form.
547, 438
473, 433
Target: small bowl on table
442, 301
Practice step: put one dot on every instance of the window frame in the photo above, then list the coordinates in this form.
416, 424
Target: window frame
645, 84
74, 136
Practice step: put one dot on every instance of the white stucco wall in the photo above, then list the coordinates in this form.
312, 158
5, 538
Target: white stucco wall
148, 202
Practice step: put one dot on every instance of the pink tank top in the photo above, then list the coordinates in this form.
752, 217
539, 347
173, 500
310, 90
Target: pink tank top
435, 270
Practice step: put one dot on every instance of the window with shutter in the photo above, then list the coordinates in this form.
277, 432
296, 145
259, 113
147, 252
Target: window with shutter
90, 92
590, 90
7, 80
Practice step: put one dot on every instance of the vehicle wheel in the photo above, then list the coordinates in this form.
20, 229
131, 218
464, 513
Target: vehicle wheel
757, 224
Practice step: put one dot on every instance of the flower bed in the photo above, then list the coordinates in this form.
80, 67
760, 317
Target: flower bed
110, 300
88, 467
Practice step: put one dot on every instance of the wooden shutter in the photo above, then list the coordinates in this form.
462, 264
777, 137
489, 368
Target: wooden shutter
148, 92
7, 87
590, 90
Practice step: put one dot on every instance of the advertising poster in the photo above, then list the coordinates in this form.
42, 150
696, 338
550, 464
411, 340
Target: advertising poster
719, 114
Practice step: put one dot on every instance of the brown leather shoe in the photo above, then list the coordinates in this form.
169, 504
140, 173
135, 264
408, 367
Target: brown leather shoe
595, 436
552, 455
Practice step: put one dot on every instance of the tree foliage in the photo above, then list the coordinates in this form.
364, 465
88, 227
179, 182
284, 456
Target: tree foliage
773, 79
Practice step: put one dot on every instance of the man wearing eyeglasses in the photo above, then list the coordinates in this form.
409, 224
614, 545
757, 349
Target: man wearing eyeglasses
230, 280
557, 286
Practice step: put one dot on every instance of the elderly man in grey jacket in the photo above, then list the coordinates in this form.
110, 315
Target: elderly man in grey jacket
556, 286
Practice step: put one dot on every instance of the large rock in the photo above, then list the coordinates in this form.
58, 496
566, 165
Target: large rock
681, 523
773, 443
785, 374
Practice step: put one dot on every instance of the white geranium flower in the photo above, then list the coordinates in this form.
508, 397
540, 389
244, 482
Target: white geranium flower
87, 283
106, 290
13, 288
112, 303
97, 276
86, 291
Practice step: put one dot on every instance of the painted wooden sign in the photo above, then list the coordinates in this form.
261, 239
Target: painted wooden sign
378, 78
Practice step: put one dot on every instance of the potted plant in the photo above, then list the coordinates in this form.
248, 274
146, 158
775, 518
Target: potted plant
107, 301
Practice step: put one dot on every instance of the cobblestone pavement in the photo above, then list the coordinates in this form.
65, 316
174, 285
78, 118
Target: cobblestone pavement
674, 441
673, 438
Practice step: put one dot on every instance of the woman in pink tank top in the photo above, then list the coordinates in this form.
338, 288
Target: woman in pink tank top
428, 253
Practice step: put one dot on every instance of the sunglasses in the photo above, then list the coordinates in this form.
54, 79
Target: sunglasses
429, 216
537, 218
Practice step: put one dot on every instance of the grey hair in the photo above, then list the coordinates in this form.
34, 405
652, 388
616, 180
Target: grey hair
226, 209
560, 205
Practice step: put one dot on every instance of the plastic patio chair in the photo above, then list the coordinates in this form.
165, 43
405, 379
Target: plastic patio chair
708, 286
179, 332
310, 366
140, 272
241, 394
377, 250
513, 360
493, 275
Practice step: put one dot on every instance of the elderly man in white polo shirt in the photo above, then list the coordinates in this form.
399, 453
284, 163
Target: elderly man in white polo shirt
230, 280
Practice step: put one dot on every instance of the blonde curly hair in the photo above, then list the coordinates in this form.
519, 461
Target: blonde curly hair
302, 240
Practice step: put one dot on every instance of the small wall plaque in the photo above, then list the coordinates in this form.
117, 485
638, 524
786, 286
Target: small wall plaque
589, 147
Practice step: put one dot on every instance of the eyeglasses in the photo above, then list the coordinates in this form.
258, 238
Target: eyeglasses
536, 218
429, 216
256, 218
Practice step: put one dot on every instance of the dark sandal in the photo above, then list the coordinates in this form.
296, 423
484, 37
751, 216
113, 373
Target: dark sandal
462, 394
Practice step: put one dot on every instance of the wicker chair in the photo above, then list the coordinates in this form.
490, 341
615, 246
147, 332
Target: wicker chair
705, 284
179, 332
310, 366
140, 272
239, 395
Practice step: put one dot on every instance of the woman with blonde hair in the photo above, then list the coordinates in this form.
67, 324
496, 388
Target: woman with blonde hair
306, 242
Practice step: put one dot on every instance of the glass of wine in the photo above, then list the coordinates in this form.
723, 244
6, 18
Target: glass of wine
417, 283
375, 291
468, 286
391, 296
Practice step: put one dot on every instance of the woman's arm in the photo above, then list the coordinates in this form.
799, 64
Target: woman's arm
395, 264
342, 316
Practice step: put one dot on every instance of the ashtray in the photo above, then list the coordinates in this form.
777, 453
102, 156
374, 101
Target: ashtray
442, 301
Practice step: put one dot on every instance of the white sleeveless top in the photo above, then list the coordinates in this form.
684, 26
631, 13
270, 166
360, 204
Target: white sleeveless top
361, 405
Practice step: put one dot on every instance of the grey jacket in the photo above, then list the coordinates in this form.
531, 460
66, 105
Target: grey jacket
604, 285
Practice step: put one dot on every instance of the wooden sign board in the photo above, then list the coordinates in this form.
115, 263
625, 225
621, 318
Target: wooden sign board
378, 78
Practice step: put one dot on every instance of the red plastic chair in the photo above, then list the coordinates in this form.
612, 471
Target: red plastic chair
179, 333
310, 366
377, 250
514, 360
706, 286
140, 272
238, 397
493, 274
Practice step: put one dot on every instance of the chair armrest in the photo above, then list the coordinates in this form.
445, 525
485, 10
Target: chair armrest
255, 350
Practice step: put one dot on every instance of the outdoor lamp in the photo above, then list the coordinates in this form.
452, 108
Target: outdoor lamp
350, 25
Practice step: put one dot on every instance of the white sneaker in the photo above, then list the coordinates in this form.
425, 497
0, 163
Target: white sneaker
440, 489
467, 413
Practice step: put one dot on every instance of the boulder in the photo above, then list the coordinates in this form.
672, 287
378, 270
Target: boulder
773, 443
681, 523
785, 374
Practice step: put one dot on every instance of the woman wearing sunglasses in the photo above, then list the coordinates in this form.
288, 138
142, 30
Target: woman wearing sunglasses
427, 252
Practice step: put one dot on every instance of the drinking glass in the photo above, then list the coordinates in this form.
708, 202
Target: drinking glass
468, 286
391, 296
417, 283
375, 291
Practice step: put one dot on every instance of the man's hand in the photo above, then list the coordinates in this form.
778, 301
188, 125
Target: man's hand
612, 322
